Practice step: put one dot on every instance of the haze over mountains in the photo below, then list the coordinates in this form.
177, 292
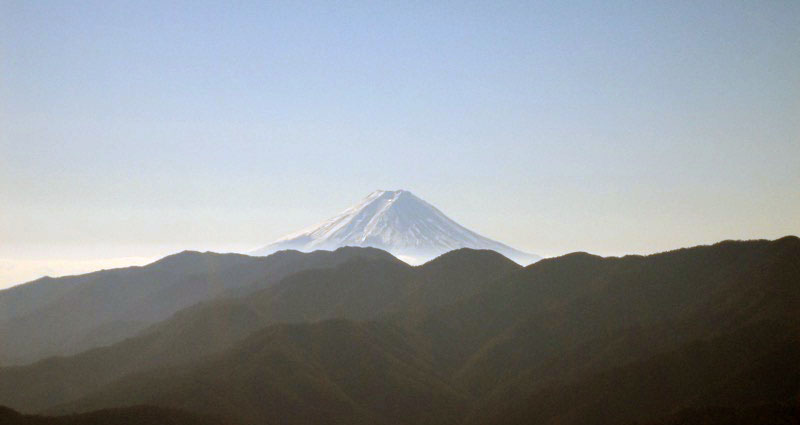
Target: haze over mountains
538, 133
357, 336
59, 316
397, 222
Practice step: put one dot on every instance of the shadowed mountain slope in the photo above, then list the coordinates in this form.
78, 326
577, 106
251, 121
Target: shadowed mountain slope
330, 372
361, 288
575, 340
137, 415
71, 314
740, 299
762, 414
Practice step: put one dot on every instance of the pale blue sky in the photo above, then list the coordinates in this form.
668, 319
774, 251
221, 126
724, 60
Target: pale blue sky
133, 129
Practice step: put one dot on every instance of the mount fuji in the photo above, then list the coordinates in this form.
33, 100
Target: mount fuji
395, 221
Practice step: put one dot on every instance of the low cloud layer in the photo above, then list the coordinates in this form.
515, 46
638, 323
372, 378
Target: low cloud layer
15, 271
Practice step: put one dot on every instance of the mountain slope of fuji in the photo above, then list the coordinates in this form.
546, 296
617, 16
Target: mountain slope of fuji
395, 221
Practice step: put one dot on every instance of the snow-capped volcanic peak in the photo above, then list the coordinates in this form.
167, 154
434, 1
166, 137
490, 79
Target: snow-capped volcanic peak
395, 221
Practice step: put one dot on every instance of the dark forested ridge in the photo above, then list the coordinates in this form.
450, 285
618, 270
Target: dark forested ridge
361, 288
67, 315
136, 415
709, 334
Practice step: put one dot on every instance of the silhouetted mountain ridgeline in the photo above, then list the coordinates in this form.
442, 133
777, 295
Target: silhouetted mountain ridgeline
709, 334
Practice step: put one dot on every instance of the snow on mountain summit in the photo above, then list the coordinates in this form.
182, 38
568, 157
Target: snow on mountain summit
395, 221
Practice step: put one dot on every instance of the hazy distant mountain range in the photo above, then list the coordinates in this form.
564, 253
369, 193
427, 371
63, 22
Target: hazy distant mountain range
397, 222
67, 315
694, 336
